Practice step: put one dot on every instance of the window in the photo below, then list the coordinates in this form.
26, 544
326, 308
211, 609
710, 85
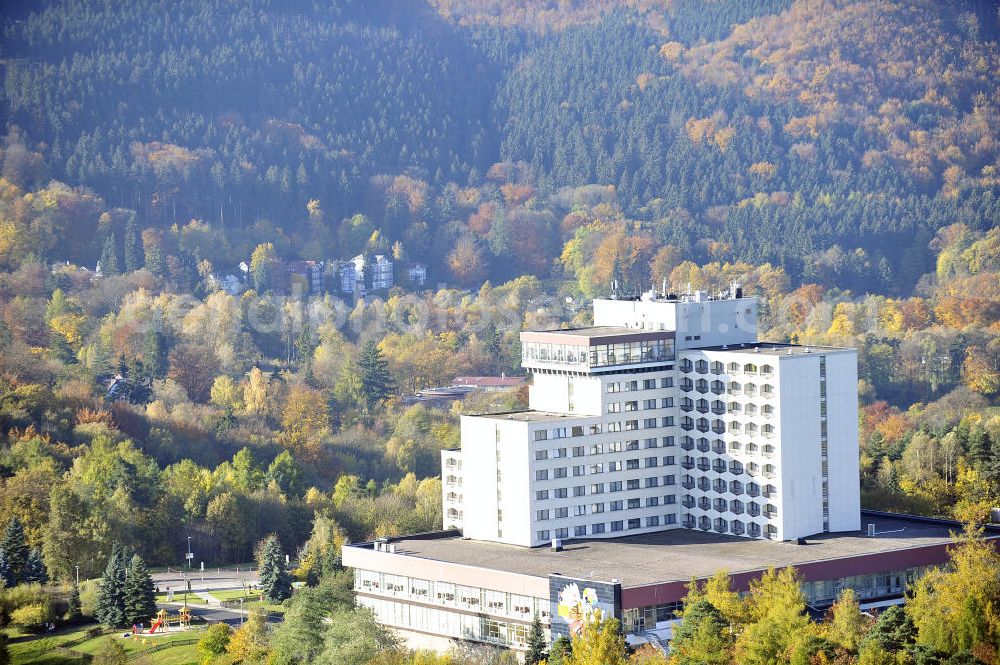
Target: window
634, 503
653, 482
617, 526
597, 468
668, 441
632, 406
615, 486
561, 512
580, 490
670, 519
541, 454
632, 445
670, 499
614, 427
597, 528
559, 452
596, 508
652, 501
543, 535
649, 384
541, 495
561, 492
632, 484
616, 505
541, 474
579, 470
649, 404
667, 382
597, 488
579, 451
669, 460
666, 403
649, 443
577, 430
560, 472
614, 387
615, 447
614, 407
597, 449
653, 521
631, 385
632, 464
631, 425
614, 466
670, 480
562, 533
541, 435
542, 515
579, 510
634, 523
667, 421
651, 462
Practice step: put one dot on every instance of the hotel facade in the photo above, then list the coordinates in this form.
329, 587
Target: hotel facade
661, 444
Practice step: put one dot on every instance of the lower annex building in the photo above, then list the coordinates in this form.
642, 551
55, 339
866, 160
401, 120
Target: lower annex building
660, 444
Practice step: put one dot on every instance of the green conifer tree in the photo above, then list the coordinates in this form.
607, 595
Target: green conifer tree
6, 577
15, 548
111, 593
140, 599
536, 643
74, 609
34, 570
377, 383
275, 582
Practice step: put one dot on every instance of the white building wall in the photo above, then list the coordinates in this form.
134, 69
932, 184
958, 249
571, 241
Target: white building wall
800, 499
566, 393
842, 425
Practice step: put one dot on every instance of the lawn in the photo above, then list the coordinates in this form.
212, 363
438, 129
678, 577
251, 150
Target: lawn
43, 649
253, 599
192, 599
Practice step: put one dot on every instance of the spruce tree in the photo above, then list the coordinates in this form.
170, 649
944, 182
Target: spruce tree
74, 609
133, 248
111, 594
140, 599
34, 570
109, 256
377, 383
536, 643
16, 549
6, 577
274, 580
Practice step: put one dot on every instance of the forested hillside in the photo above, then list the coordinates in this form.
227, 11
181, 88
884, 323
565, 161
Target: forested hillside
840, 159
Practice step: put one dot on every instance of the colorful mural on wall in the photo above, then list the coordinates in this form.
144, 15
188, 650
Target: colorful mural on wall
578, 608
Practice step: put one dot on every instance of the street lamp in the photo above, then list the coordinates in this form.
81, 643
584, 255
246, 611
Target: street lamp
77, 576
189, 552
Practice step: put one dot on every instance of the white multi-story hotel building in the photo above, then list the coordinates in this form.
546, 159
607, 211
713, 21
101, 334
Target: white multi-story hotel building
667, 413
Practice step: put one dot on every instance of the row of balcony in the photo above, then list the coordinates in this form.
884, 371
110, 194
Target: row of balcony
704, 367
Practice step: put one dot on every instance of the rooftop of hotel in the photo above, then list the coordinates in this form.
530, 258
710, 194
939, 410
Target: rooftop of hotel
600, 332
678, 554
534, 416
775, 349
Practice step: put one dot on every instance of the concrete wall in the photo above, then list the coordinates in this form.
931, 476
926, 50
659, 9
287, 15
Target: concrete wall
713, 322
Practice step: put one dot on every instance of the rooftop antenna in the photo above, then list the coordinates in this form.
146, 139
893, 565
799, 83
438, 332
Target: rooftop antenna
663, 288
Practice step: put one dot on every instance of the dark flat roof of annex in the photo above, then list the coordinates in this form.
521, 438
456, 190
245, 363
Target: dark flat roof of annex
677, 554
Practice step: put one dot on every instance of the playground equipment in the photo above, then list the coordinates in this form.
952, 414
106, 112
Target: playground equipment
163, 620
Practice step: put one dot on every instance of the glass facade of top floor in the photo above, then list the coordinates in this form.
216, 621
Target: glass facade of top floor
597, 356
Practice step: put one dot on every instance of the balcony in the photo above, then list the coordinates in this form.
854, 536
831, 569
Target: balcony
688, 484
687, 443
688, 502
687, 464
704, 466
687, 385
719, 466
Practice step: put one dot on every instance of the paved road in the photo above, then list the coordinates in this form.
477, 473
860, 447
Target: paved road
212, 578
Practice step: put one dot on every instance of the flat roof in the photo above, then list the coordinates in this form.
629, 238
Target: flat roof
592, 335
679, 554
533, 416
775, 349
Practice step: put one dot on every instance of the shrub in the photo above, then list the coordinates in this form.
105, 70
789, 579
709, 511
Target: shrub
215, 641
30, 617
